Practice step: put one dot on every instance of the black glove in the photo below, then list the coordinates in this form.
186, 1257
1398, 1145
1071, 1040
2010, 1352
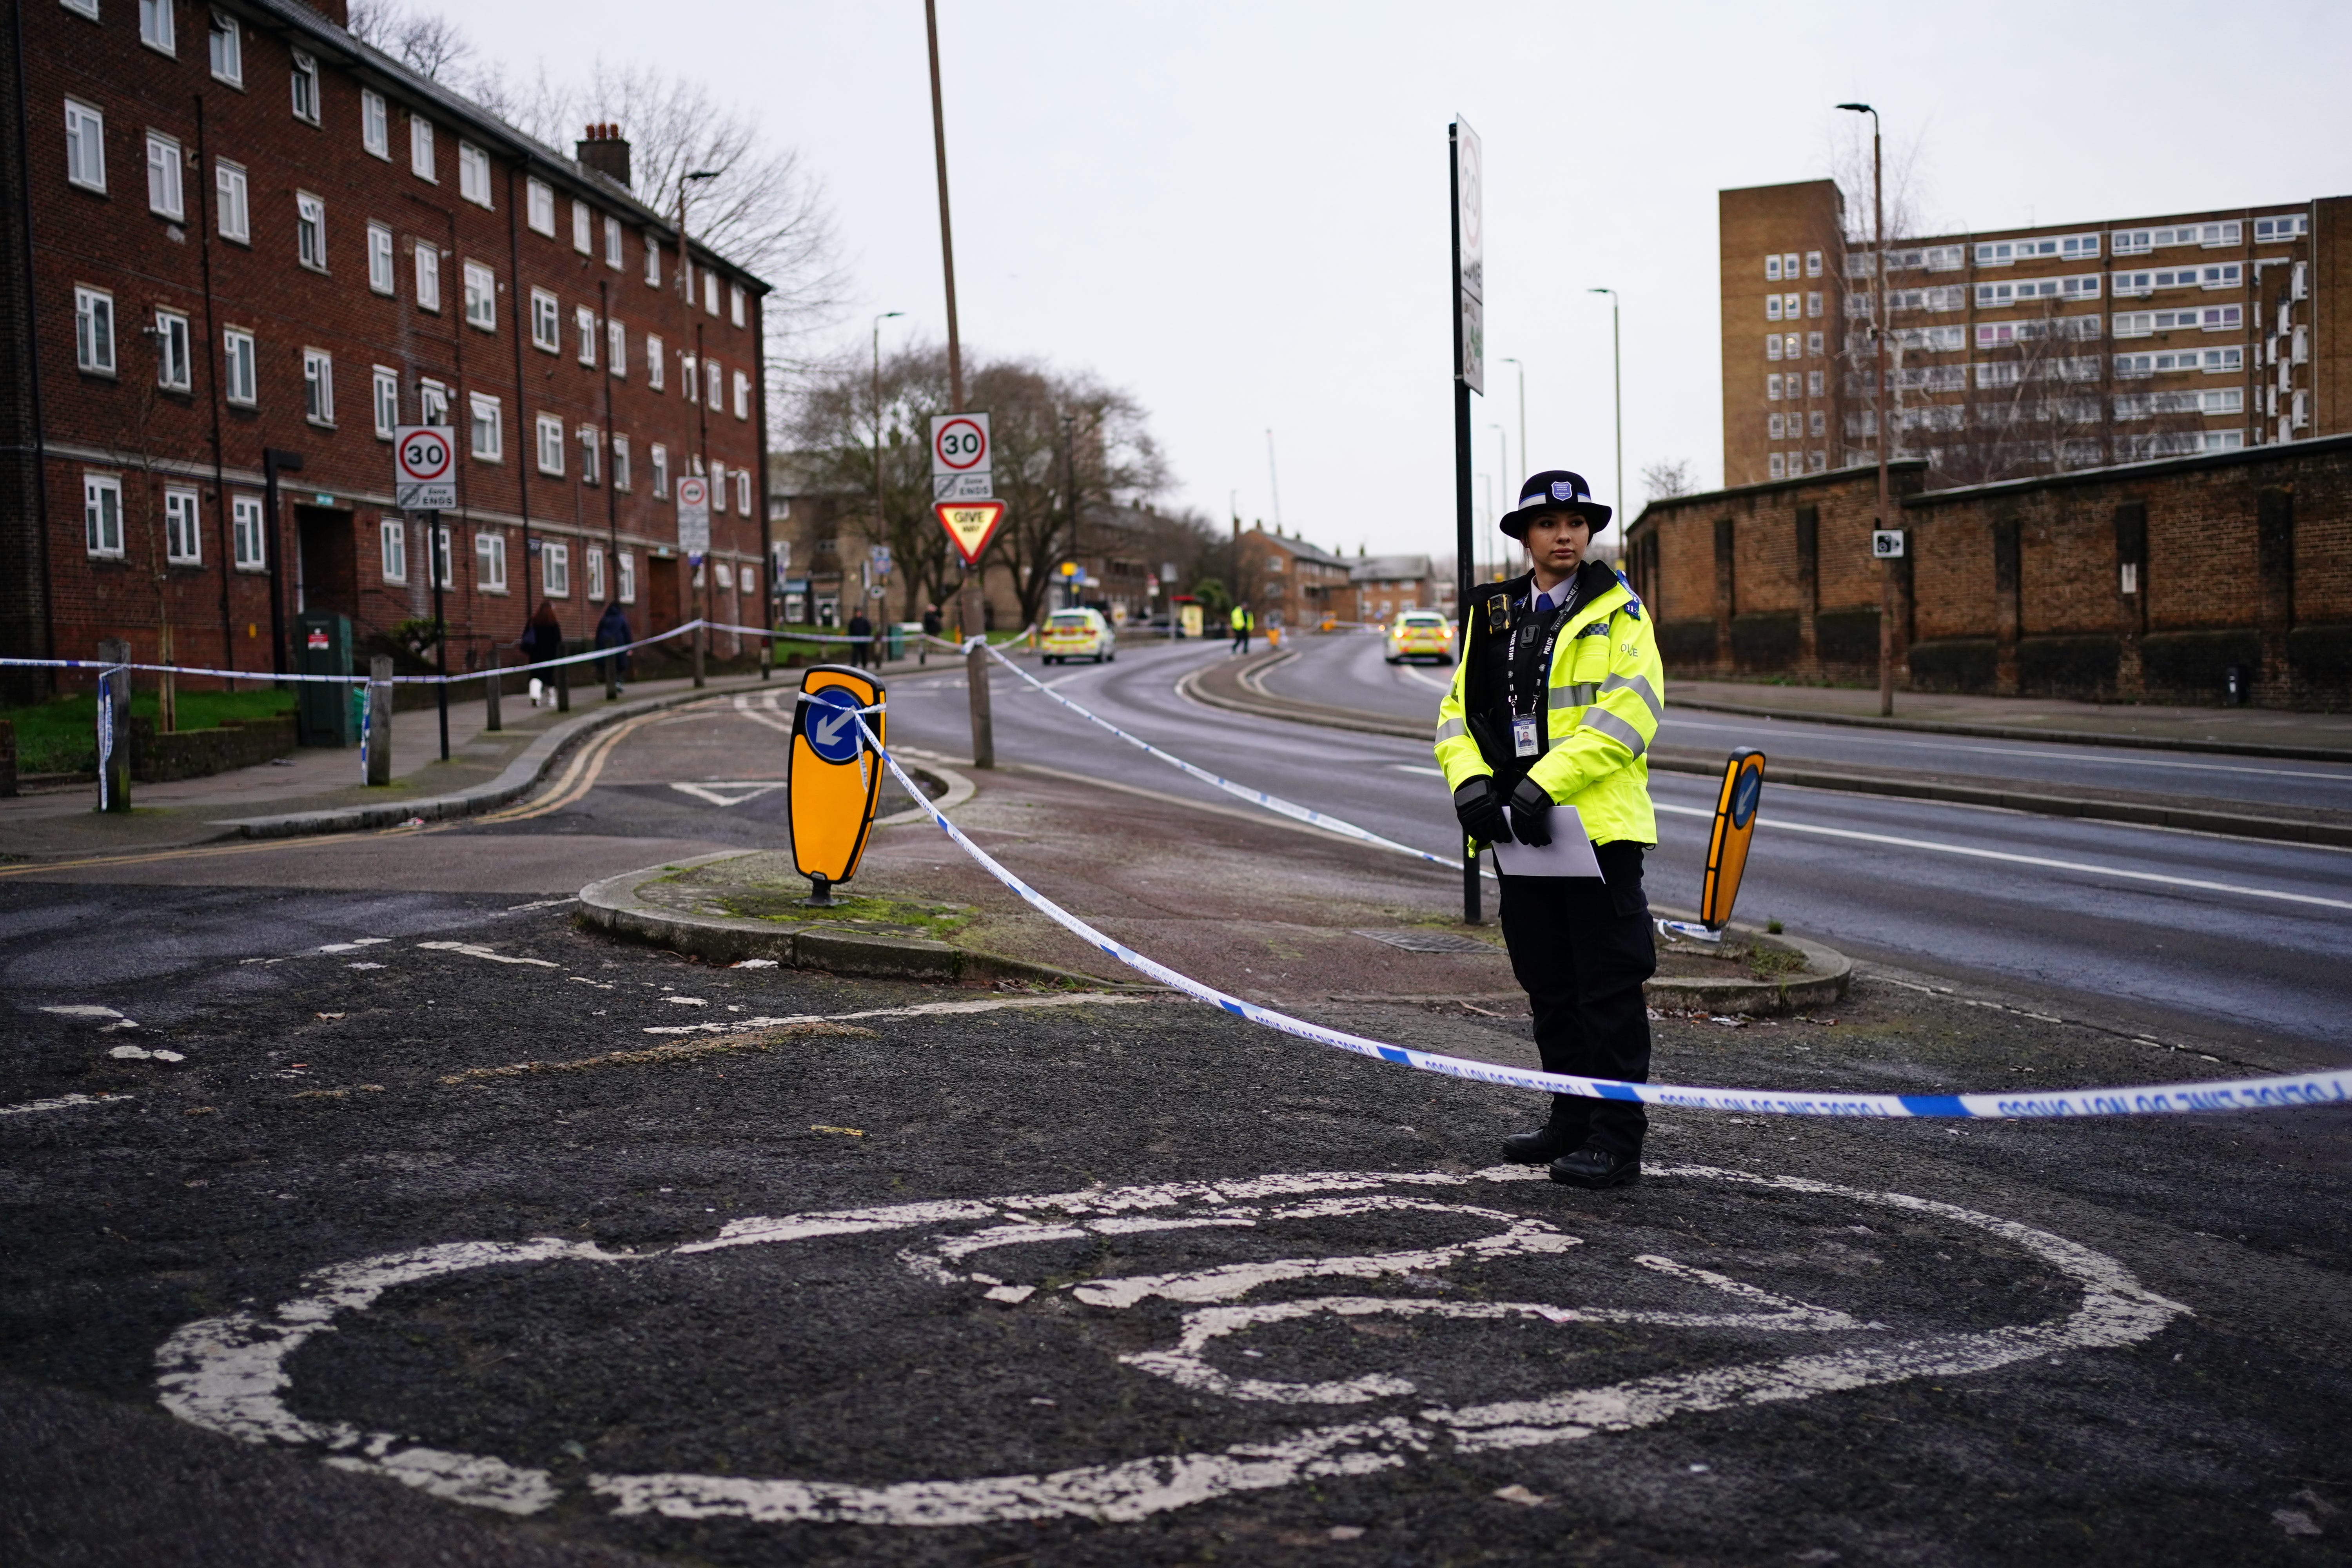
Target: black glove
1531, 814
1480, 812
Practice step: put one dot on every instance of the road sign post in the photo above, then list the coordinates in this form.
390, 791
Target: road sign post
694, 544
971, 524
961, 457
834, 785
1467, 167
425, 480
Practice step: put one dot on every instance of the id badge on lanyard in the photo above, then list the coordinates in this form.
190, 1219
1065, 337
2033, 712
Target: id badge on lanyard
1523, 737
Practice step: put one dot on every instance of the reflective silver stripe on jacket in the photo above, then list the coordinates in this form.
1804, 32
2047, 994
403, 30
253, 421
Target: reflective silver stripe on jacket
1450, 728
1639, 684
1575, 696
1616, 728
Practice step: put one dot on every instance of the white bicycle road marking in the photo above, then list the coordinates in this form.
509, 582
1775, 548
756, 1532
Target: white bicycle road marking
732, 793
228, 1375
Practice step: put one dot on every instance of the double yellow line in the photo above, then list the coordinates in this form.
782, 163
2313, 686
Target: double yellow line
577, 779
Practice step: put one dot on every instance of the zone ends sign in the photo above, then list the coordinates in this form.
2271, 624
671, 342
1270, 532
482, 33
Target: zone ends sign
424, 468
971, 523
961, 457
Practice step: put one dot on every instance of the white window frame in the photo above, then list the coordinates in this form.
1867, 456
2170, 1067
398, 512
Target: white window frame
2281, 228
174, 351
432, 404
743, 491
381, 278
583, 322
658, 455
653, 261
1771, 307
612, 242
1813, 345
375, 124
627, 561
622, 478
248, 540
487, 429
384, 400
225, 50
234, 192
392, 546
1772, 268
591, 455
714, 380
85, 146
491, 562
427, 267
165, 195
1772, 347
1812, 384
443, 548
473, 174
742, 396
1812, 305
183, 531
719, 502
421, 160
319, 387
616, 349
539, 206
102, 516
546, 321
549, 429
583, 228
654, 363
709, 293
735, 304
96, 351
240, 367
83, 8
1772, 387
311, 230
555, 568
303, 84
481, 296
690, 374
1812, 264
1777, 466
595, 572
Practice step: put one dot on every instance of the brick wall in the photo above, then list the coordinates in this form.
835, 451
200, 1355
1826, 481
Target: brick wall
2237, 559
151, 438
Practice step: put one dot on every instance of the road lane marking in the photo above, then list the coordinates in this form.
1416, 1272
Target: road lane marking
62, 1102
731, 794
918, 1010
233, 1375
475, 950
1975, 854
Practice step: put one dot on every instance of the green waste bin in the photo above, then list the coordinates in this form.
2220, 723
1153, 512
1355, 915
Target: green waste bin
324, 714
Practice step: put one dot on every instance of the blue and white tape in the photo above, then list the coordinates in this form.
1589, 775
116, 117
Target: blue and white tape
1273, 802
2139, 1100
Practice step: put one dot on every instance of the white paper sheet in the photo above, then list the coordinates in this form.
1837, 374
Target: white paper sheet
1570, 853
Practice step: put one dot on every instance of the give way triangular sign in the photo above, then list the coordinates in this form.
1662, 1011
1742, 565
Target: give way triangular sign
971, 523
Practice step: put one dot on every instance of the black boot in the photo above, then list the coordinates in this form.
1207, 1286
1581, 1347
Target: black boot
1543, 1145
1593, 1167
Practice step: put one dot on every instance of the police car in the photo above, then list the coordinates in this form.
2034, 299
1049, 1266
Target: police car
1079, 634
1420, 634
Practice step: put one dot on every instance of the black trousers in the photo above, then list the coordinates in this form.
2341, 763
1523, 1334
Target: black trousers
1581, 950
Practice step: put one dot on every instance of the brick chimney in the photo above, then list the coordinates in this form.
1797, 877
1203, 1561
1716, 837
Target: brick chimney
603, 149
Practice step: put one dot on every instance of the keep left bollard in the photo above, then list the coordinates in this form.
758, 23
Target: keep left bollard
375, 739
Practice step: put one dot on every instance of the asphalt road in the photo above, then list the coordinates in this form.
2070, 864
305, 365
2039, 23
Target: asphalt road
1350, 671
611, 1257
2251, 938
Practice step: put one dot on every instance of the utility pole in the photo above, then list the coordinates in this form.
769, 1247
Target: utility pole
1503, 473
1273, 481
881, 517
1525, 466
973, 609
1878, 403
1460, 302
1617, 384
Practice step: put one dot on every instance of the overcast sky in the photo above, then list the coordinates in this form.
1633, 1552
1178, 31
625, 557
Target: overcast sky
1238, 212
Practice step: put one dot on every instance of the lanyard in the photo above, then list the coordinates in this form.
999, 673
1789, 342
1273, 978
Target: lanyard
1560, 613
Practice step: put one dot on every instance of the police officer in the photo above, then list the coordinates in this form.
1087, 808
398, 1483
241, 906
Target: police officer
1243, 621
1555, 702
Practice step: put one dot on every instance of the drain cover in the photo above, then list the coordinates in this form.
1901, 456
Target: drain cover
1429, 940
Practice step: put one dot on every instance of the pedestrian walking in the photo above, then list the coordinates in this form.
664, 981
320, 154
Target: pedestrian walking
612, 631
1243, 621
932, 623
1555, 702
542, 639
861, 641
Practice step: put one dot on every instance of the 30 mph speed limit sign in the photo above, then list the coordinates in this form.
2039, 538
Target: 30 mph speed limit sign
961, 458
424, 468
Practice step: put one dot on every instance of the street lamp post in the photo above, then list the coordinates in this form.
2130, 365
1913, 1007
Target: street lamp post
1523, 417
1617, 394
1878, 403
701, 639
1502, 465
881, 517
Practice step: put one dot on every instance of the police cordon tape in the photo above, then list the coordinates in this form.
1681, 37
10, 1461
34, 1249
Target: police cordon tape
2137, 1100
1273, 802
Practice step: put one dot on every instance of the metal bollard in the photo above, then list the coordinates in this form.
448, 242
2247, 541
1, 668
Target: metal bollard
612, 678
491, 684
114, 727
375, 740
562, 687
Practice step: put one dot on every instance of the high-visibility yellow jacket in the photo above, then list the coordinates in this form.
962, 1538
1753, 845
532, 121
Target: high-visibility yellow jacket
1242, 617
1607, 691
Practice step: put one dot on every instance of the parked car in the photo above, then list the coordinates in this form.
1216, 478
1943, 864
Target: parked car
1420, 634
1079, 634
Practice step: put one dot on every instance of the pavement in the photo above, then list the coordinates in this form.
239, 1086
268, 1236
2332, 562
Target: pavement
362, 1206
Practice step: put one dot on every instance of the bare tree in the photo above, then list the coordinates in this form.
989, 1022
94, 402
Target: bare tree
1667, 477
1848, 158
425, 42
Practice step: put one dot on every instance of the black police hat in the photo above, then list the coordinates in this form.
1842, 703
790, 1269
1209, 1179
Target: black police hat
1555, 489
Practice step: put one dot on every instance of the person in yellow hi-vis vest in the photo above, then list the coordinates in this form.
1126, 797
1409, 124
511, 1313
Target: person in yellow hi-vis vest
1555, 702
1243, 622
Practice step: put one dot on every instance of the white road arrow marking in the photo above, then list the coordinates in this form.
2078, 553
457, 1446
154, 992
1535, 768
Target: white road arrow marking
735, 794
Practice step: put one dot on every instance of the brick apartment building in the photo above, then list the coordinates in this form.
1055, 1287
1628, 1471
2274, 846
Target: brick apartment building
235, 227
2030, 350
1289, 582
1385, 585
